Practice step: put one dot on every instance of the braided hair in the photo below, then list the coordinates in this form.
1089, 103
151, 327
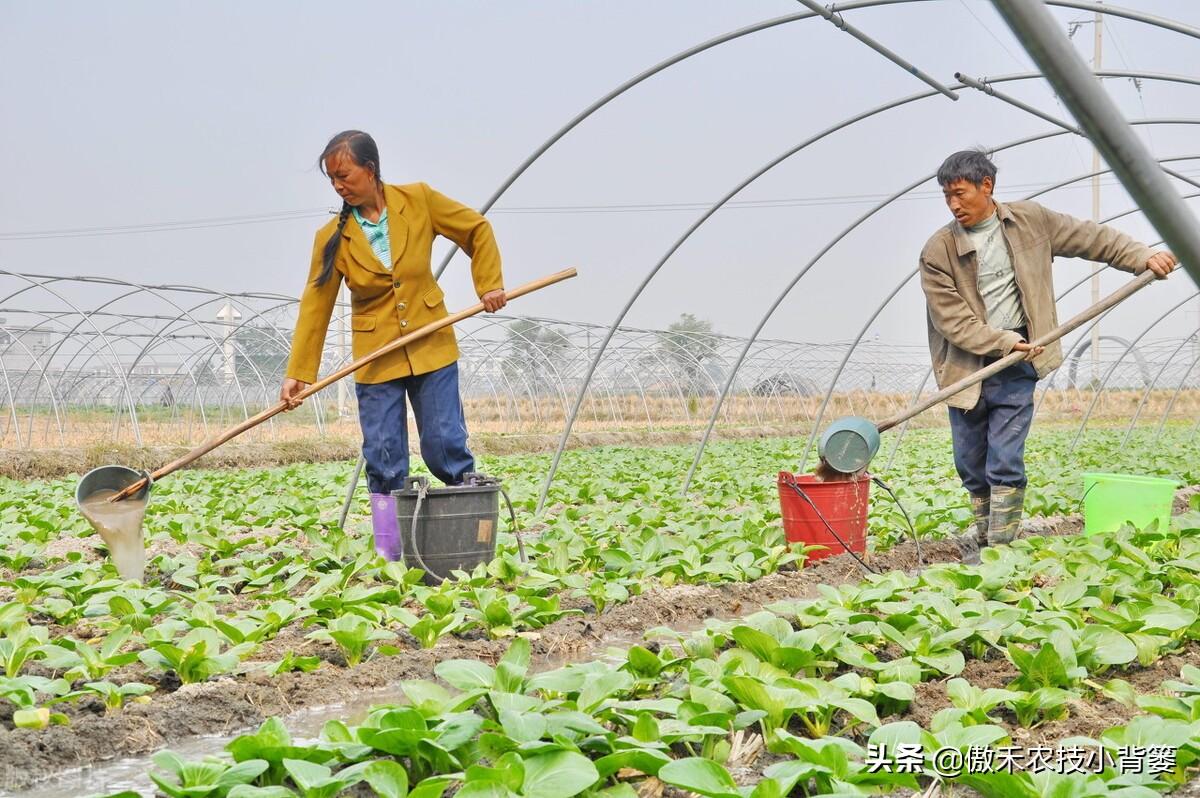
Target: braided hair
363, 151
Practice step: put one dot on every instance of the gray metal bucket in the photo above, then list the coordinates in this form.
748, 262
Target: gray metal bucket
111, 477
449, 529
127, 551
849, 444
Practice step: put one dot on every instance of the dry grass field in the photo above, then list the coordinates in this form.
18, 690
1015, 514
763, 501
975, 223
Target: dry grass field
39, 444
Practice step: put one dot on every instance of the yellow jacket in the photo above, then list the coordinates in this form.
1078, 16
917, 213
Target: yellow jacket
387, 304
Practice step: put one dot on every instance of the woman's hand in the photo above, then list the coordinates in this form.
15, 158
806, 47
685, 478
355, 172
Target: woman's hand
289, 390
494, 300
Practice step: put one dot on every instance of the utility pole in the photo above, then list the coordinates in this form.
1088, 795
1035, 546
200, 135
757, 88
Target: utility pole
1097, 54
228, 315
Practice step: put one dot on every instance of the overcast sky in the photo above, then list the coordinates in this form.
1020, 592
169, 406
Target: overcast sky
144, 113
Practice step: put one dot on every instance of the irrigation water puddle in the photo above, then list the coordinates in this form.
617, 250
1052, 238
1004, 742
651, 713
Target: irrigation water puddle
132, 773
612, 633
682, 608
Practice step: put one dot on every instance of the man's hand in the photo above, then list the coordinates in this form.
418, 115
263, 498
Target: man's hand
289, 390
1161, 263
1030, 351
494, 300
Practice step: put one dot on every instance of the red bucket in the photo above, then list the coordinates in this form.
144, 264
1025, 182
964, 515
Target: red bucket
843, 504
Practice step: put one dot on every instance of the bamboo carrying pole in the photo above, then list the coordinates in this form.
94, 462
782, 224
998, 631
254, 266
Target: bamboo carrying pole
345, 371
1113, 299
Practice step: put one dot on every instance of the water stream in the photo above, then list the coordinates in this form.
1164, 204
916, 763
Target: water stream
120, 526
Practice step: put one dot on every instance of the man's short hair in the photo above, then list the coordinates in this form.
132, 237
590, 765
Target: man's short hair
970, 165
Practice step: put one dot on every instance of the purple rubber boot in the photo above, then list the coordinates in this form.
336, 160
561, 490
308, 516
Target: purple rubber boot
386, 526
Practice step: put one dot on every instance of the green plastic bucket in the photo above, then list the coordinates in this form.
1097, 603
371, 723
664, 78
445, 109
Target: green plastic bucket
1112, 500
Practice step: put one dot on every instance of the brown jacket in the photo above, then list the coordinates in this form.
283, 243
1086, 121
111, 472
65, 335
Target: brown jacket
959, 336
387, 304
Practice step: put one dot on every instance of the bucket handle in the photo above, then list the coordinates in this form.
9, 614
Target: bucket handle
791, 483
1095, 484
422, 486
1089, 490
1085, 494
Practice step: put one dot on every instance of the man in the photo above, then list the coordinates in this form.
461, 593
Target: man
989, 292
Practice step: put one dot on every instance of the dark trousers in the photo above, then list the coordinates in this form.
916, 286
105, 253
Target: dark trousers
989, 439
441, 426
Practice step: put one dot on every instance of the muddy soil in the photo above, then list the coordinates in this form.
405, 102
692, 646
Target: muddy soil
1084, 718
227, 705
1189, 790
1183, 498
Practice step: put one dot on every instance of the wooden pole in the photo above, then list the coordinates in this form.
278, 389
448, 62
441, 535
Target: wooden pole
404, 340
1113, 299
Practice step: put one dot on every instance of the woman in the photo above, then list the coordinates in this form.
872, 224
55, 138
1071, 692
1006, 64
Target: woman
380, 244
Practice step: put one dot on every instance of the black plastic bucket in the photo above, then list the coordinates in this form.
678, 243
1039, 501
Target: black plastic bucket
449, 529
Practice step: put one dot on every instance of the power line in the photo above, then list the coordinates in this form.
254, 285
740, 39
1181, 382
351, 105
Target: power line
992, 33
159, 227
1137, 83
826, 200
1023, 65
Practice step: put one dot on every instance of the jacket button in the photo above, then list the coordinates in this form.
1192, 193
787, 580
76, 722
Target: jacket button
401, 306
396, 284
404, 322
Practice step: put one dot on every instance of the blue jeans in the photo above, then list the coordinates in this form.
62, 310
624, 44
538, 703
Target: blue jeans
989, 439
441, 427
